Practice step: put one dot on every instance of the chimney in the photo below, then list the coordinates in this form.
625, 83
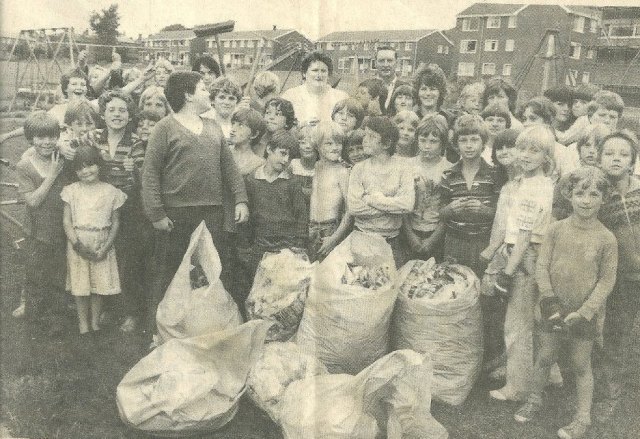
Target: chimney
274, 27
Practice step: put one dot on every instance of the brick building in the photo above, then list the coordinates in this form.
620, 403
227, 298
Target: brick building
618, 53
174, 45
348, 49
509, 39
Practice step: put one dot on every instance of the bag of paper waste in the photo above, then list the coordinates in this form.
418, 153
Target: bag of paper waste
438, 313
191, 385
280, 365
347, 315
385, 398
279, 292
196, 302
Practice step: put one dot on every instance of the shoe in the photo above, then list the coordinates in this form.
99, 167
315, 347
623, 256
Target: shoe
502, 395
527, 412
577, 429
129, 325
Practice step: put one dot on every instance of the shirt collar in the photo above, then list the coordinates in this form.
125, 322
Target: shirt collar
261, 175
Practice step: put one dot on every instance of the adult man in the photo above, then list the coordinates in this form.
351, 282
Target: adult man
386, 59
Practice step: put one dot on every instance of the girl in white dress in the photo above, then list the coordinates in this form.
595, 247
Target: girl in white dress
91, 221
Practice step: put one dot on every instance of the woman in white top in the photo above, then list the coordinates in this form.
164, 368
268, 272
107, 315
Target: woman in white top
313, 101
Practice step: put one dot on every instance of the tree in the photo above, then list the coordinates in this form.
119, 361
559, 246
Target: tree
173, 27
105, 25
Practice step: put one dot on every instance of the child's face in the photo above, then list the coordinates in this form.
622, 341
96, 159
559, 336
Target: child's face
586, 202
529, 118
495, 124
207, 75
81, 126
616, 157
589, 153
161, 75
274, 119
363, 96
155, 104
428, 96
407, 133
330, 150
470, 146
531, 158
429, 145
278, 159
116, 114
506, 155
144, 129
345, 119
500, 97
471, 104
579, 107
372, 143
403, 103
562, 111
306, 148
356, 153
77, 88
224, 103
89, 174
240, 133
45, 146
606, 117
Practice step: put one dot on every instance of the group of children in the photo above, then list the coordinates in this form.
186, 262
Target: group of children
544, 207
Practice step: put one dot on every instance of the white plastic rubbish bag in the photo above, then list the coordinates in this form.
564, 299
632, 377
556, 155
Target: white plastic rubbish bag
279, 292
191, 385
280, 365
363, 406
196, 302
438, 313
347, 315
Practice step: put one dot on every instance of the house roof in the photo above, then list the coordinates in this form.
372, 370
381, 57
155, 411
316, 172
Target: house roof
585, 11
255, 34
186, 34
381, 35
485, 9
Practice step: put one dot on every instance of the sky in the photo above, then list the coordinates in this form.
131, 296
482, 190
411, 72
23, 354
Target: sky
314, 18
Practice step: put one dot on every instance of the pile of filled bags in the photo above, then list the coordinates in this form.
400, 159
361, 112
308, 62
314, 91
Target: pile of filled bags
347, 348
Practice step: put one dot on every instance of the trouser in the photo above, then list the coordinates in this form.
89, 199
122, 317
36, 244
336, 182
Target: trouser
45, 273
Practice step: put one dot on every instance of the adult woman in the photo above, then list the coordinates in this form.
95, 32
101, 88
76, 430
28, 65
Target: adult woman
430, 88
313, 101
187, 166
500, 91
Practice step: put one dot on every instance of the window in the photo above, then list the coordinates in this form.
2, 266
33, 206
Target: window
512, 22
340, 63
241, 43
468, 46
571, 78
593, 26
440, 48
446, 50
586, 76
506, 70
408, 46
466, 69
590, 54
234, 44
344, 46
493, 22
621, 31
250, 43
210, 44
578, 24
488, 68
509, 45
470, 24
491, 45
365, 46
225, 44
574, 50
329, 46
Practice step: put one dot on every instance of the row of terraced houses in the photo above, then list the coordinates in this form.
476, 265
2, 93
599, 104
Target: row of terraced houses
575, 44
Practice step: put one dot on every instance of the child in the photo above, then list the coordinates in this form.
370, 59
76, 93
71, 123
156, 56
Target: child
423, 229
407, 122
381, 188
279, 213
526, 222
469, 195
146, 121
500, 91
278, 115
469, 99
497, 118
153, 99
225, 95
329, 221
349, 114
91, 221
266, 86
576, 271
372, 95
353, 151
606, 108
401, 100
162, 69
123, 154
430, 86
38, 174
562, 98
247, 128
582, 95
304, 167
620, 214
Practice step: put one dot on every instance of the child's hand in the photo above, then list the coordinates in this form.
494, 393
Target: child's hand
573, 318
458, 205
165, 224
328, 244
487, 254
65, 148
83, 251
473, 206
101, 253
82, 58
503, 285
242, 213
56, 165
245, 103
128, 164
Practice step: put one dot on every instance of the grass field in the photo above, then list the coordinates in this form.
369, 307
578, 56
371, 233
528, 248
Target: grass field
65, 387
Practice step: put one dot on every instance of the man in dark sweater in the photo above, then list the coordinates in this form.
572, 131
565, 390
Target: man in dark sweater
279, 214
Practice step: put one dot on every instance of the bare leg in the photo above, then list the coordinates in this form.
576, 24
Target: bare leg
82, 306
96, 308
581, 365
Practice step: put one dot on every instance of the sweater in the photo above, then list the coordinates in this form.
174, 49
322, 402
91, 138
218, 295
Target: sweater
183, 169
577, 264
